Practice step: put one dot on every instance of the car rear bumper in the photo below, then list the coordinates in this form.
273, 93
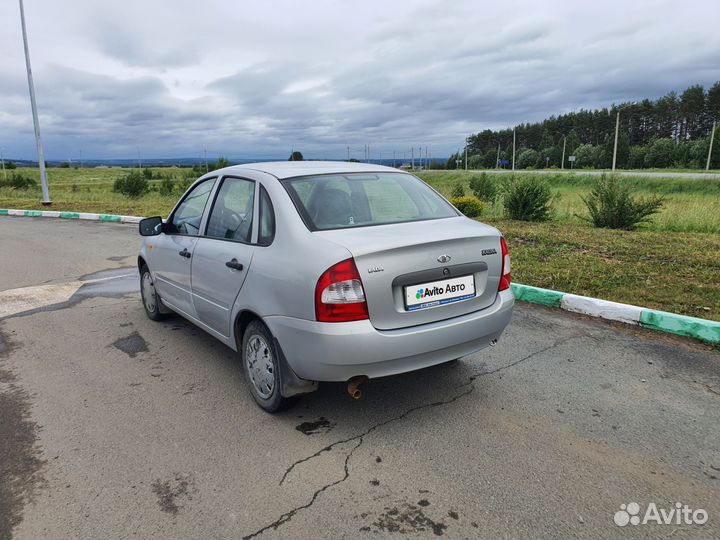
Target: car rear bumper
338, 351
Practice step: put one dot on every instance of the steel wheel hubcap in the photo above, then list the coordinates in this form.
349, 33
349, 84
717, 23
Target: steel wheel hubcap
148, 292
261, 365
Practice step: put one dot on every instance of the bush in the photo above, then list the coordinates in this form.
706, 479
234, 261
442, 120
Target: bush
458, 190
484, 187
611, 205
10, 165
527, 159
527, 199
660, 153
166, 187
133, 185
470, 206
185, 182
18, 181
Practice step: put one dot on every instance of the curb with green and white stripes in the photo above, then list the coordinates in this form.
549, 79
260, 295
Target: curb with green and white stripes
671, 323
70, 215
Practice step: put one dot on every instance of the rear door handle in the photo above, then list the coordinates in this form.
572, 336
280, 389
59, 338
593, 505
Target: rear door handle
234, 264
185, 253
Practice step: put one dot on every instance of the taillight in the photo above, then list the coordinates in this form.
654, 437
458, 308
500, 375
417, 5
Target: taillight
339, 294
506, 276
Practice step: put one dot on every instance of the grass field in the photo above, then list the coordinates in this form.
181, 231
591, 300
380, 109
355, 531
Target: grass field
671, 264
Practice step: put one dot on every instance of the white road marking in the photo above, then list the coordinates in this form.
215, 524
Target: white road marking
28, 298
24, 299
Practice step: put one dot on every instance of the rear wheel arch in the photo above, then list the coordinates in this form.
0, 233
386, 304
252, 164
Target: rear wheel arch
242, 320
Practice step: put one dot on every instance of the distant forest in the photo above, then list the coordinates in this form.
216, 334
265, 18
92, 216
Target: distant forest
672, 131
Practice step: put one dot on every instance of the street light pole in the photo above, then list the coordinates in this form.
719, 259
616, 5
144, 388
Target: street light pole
712, 139
617, 129
41, 154
513, 163
466, 145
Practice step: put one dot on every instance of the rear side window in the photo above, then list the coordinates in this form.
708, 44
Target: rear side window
231, 216
360, 200
266, 234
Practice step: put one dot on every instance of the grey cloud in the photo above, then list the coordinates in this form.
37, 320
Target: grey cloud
258, 78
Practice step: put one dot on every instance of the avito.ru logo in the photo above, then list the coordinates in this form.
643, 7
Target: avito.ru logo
679, 515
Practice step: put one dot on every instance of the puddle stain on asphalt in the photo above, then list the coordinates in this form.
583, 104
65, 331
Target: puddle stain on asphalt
168, 492
21, 459
322, 425
131, 345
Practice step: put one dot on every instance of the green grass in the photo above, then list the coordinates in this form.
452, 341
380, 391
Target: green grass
672, 264
691, 205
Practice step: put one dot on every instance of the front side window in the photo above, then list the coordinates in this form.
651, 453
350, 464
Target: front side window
188, 215
231, 216
340, 201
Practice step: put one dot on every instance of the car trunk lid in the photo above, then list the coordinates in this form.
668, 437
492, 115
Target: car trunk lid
422, 272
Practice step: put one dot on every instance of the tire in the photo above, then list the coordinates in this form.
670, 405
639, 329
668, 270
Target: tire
150, 297
261, 367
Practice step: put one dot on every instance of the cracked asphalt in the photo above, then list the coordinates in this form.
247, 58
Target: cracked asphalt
114, 426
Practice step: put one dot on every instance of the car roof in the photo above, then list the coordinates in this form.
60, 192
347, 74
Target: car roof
290, 169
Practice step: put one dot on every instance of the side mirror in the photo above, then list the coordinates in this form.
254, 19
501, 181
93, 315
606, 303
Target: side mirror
151, 226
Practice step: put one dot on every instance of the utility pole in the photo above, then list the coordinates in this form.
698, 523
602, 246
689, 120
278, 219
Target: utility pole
712, 139
2, 159
466, 145
393, 158
139, 160
617, 129
81, 160
348, 151
562, 166
513, 163
41, 153
206, 162
497, 160
412, 153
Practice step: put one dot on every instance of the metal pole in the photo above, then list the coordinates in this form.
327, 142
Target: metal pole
562, 167
712, 139
513, 163
617, 128
466, 145
41, 154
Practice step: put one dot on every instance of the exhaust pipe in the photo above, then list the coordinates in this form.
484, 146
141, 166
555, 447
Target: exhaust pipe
353, 387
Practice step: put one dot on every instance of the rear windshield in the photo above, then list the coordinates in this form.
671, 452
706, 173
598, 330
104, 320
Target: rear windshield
340, 201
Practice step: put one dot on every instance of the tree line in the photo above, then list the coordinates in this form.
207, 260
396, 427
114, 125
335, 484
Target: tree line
672, 131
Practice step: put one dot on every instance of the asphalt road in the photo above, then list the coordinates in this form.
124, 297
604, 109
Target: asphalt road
114, 426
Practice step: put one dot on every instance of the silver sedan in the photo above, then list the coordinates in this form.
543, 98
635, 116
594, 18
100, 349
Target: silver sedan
326, 271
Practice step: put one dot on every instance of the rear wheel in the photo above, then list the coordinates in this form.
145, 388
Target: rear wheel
150, 298
261, 366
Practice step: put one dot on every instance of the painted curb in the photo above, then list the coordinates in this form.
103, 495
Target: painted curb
88, 216
672, 323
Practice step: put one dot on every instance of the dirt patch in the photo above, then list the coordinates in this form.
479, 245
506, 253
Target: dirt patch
408, 518
131, 345
171, 492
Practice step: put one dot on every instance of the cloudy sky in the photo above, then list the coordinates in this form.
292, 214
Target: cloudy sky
256, 78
